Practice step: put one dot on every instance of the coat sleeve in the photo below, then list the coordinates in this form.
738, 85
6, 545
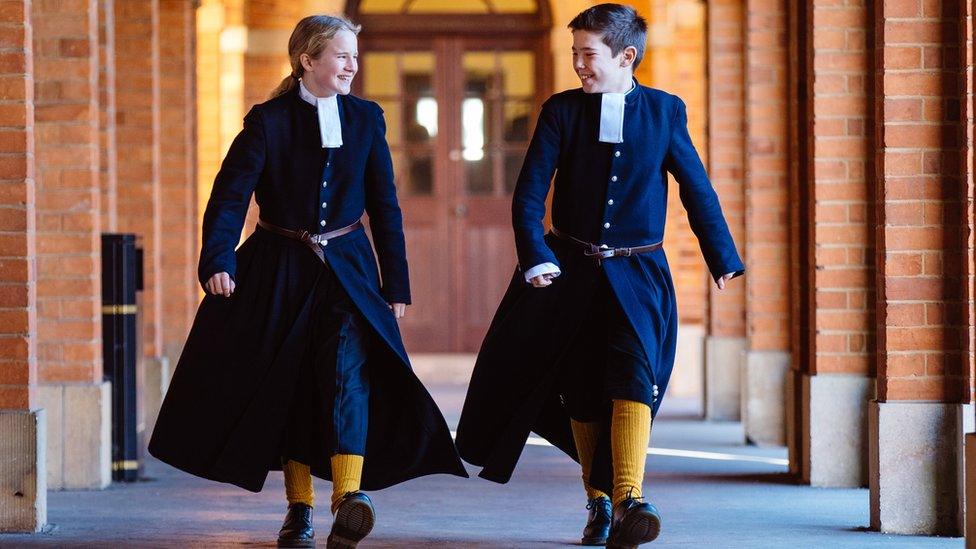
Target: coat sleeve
529, 199
231, 194
385, 218
699, 199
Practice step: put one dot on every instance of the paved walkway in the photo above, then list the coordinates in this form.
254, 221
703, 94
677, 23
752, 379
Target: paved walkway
712, 491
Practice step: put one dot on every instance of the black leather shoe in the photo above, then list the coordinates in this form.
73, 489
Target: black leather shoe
598, 523
634, 522
354, 519
297, 529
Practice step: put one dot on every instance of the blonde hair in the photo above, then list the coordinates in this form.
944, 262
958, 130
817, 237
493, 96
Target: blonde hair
310, 36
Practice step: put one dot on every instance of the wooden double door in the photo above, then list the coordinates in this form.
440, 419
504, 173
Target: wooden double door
459, 114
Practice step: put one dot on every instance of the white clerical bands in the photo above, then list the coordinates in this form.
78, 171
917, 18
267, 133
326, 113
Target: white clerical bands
328, 111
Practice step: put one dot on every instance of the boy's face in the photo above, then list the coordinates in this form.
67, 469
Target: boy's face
598, 69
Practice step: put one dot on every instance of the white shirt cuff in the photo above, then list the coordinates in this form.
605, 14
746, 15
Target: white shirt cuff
544, 268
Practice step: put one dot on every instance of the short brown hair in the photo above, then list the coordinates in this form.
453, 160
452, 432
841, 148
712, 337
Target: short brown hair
621, 27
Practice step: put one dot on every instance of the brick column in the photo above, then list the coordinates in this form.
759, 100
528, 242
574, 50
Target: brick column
179, 241
725, 317
137, 69
923, 359
767, 253
77, 400
108, 147
834, 291
674, 60
23, 487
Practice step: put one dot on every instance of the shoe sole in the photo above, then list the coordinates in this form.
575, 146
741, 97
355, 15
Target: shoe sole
593, 541
296, 543
353, 522
633, 531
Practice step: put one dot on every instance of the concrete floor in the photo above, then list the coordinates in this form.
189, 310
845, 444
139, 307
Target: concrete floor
712, 492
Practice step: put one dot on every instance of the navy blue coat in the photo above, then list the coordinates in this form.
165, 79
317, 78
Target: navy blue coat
613, 194
229, 413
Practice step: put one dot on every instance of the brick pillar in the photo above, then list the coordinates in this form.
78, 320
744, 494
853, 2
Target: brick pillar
834, 290
77, 400
108, 148
969, 227
23, 487
916, 424
767, 252
178, 190
137, 69
674, 60
726, 327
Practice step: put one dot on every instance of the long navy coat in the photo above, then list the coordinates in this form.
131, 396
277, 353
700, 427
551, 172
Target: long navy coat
232, 397
613, 194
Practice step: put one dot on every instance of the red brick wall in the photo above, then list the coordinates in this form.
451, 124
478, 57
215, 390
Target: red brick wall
138, 131
108, 152
18, 354
726, 308
921, 310
839, 164
766, 177
178, 180
67, 182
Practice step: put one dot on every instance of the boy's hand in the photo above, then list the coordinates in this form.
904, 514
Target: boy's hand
399, 309
542, 280
721, 282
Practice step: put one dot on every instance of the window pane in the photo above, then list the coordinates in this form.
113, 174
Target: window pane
513, 164
517, 117
518, 73
380, 74
415, 173
448, 6
381, 6
478, 175
394, 124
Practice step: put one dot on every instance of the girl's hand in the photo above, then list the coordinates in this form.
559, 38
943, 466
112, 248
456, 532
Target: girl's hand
220, 284
721, 282
398, 309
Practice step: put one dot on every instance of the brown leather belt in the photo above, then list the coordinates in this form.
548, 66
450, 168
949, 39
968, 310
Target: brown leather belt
599, 253
311, 240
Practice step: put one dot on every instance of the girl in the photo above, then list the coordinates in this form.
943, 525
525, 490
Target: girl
294, 360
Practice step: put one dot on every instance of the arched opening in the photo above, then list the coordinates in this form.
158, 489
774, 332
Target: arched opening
460, 83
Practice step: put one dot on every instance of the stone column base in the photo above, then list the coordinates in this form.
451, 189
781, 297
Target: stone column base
763, 386
23, 481
970, 490
914, 467
79, 441
723, 359
834, 419
155, 384
687, 378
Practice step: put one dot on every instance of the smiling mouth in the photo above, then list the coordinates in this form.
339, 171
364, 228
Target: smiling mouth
345, 78
585, 78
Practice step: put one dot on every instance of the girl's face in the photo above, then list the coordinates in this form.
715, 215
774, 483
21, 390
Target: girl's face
332, 71
598, 69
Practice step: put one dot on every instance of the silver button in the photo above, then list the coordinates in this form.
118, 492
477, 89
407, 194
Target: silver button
327, 164
614, 178
617, 153
322, 223
606, 225
610, 202
325, 242
325, 183
323, 204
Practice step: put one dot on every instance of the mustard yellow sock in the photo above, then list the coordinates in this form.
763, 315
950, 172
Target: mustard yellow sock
630, 432
347, 473
298, 483
586, 434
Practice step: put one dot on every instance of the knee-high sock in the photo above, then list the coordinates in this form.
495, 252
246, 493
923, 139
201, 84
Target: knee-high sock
586, 434
298, 483
347, 473
630, 432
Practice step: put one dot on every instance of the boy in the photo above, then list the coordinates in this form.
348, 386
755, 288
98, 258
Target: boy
582, 345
